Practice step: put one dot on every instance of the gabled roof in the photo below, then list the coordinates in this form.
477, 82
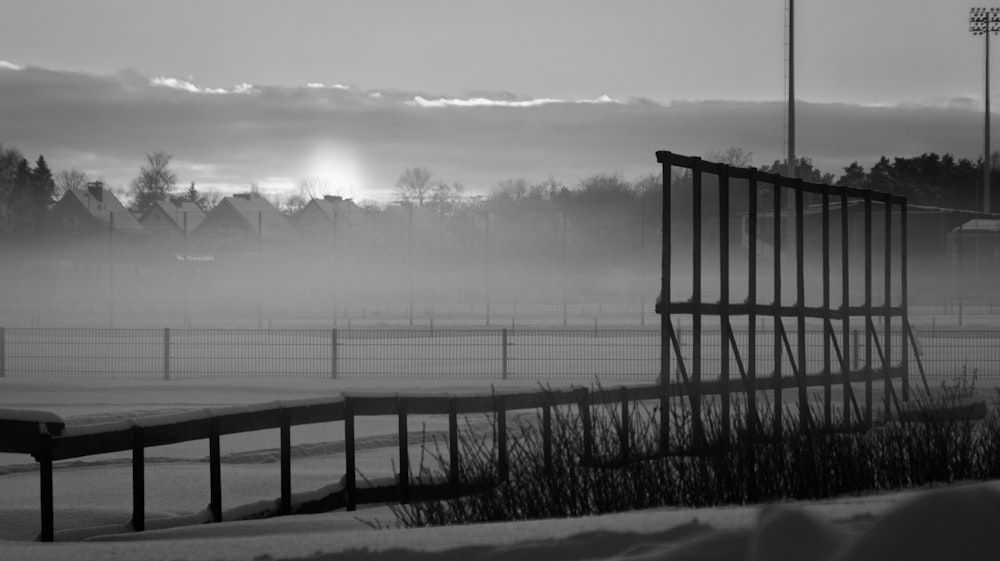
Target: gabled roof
174, 210
256, 215
979, 226
101, 204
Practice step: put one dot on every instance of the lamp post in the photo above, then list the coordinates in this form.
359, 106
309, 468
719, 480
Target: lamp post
983, 21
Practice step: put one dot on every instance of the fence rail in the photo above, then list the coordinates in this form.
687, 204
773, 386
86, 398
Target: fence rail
608, 354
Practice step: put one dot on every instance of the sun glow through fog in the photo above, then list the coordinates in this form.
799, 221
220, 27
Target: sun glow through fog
335, 170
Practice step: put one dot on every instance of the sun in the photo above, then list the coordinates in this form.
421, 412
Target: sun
335, 170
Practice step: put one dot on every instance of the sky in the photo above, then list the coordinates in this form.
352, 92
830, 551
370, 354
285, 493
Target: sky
353, 92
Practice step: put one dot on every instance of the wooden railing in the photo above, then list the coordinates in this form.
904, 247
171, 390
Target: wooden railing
48, 439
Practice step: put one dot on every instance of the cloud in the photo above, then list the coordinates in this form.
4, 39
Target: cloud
104, 124
4, 65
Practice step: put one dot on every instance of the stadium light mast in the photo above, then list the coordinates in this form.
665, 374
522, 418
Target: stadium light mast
983, 21
790, 162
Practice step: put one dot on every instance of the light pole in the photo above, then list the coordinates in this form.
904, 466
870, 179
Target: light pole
983, 21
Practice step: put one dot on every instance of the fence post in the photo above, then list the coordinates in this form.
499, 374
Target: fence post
333, 353
166, 353
3, 353
138, 481
503, 346
624, 436
350, 468
404, 453
215, 469
453, 444
503, 465
285, 431
44, 459
547, 432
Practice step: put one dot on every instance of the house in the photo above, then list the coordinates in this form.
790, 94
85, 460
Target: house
176, 217
974, 247
92, 210
333, 219
243, 222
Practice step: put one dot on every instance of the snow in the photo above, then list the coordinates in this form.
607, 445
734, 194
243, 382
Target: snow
93, 496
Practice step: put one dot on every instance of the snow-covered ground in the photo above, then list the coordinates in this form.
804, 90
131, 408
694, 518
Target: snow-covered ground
96, 492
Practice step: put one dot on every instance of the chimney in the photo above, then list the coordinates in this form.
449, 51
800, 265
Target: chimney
96, 190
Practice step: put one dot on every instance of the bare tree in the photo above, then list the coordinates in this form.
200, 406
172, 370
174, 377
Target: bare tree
734, 156
70, 179
155, 181
446, 199
414, 185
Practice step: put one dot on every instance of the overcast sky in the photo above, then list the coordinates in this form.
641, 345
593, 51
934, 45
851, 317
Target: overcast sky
356, 91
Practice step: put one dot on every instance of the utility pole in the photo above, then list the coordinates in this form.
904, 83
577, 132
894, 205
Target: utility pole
983, 21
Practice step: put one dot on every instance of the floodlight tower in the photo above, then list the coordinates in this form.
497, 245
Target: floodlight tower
984, 21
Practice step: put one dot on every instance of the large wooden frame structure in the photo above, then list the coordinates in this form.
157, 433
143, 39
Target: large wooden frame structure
836, 321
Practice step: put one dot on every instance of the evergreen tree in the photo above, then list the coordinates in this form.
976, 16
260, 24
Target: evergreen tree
23, 179
194, 196
43, 186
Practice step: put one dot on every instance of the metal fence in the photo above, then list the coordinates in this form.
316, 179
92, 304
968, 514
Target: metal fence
605, 354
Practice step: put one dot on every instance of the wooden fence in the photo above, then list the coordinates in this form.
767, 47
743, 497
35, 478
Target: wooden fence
48, 439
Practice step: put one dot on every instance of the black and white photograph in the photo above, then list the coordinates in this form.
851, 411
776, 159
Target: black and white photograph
546, 280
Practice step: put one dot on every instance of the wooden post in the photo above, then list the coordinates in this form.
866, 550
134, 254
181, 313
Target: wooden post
887, 308
547, 433
503, 463
286, 462
350, 477
827, 325
696, 313
777, 327
404, 452
624, 436
44, 457
724, 300
166, 353
800, 307
868, 307
665, 289
453, 452
752, 416
215, 469
905, 353
845, 296
138, 481
588, 437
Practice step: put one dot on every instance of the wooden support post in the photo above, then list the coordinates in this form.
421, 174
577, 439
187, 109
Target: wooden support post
827, 326
44, 457
138, 481
905, 353
724, 300
887, 309
752, 415
696, 315
805, 419
404, 452
350, 475
285, 431
868, 308
845, 297
215, 469
547, 434
503, 463
665, 287
624, 436
588, 436
776, 238
453, 453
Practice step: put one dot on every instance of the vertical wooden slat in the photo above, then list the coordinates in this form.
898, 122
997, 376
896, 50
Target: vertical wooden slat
845, 296
404, 451
868, 307
696, 312
752, 416
286, 462
350, 475
453, 452
724, 299
800, 306
547, 434
827, 326
44, 457
138, 481
777, 327
665, 288
887, 308
503, 463
903, 241
215, 470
